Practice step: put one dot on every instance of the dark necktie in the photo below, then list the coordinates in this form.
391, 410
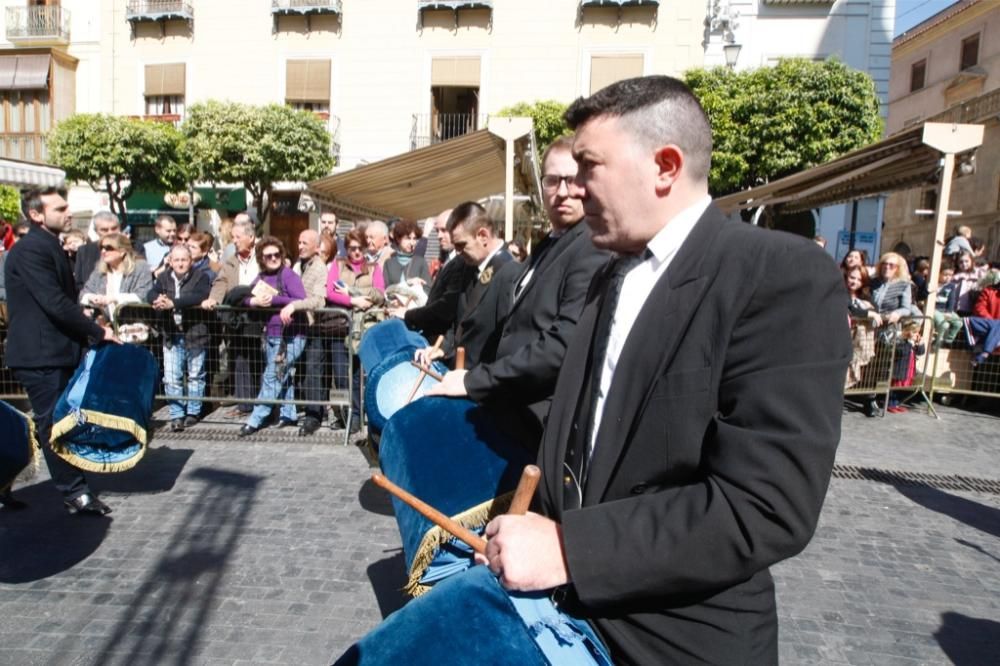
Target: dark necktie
578, 456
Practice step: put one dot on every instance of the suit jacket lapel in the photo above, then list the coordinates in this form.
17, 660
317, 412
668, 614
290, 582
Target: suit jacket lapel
661, 325
559, 245
479, 289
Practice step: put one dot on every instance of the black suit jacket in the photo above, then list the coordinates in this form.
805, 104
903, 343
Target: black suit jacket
86, 260
482, 305
537, 330
47, 325
438, 316
715, 448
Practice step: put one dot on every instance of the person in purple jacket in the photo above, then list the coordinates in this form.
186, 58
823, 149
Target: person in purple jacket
284, 338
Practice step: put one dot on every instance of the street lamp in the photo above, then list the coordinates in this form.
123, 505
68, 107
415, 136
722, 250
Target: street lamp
732, 52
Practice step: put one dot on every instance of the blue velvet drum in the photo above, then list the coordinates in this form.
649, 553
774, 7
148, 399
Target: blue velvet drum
471, 619
18, 445
101, 421
451, 454
388, 386
385, 339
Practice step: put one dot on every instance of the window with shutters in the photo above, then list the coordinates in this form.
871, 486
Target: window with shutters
164, 92
307, 86
918, 72
970, 52
607, 69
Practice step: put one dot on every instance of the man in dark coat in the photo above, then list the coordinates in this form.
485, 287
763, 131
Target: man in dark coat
547, 300
486, 283
694, 424
47, 331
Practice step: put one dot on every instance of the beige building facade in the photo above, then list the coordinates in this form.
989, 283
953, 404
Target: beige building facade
947, 69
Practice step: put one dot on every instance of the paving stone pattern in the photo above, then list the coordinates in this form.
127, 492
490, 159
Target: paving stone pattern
282, 552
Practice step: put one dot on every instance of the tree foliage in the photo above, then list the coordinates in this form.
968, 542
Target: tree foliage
118, 155
547, 116
229, 142
10, 204
774, 121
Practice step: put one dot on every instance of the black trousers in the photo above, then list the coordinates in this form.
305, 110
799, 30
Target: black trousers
44, 386
314, 373
247, 363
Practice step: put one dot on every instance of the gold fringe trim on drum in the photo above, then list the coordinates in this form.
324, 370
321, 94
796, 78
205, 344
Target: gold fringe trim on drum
436, 537
71, 420
29, 472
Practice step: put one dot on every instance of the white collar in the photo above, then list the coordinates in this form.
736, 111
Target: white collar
489, 257
669, 239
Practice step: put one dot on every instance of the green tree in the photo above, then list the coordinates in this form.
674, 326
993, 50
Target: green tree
774, 121
547, 116
10, 204
118, 155
228, 142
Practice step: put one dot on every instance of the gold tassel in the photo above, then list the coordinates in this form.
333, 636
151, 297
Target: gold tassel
112, 421
472, 518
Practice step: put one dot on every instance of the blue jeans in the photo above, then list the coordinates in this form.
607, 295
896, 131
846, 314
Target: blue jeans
276, 384
177, 359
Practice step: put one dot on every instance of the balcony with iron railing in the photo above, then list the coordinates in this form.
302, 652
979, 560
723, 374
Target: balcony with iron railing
27, 146
38, 26
158, 10
429, 129
305, 7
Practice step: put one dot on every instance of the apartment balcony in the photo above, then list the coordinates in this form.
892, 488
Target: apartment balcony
159, 11
430, 129
617, 3
304, 8
38, 26
454, 6
26, 146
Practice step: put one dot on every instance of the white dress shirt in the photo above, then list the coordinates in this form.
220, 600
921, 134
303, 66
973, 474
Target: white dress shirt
637, 286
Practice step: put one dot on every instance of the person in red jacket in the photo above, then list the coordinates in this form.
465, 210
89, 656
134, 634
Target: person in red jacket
988, 302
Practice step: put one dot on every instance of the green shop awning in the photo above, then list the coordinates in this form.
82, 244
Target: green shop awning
144, 205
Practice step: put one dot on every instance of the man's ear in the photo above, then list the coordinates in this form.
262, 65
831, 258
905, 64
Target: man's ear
669, 166
35, 216
482, 234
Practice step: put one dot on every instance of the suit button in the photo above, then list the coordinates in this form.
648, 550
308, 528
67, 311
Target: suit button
639, 489
567, 480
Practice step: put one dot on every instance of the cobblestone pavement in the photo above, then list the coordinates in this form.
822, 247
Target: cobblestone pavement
279, 550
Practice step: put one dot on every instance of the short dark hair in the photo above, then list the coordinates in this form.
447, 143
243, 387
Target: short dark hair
471, 216
403, 228
270, 241
32, 199
656, 110
562, 143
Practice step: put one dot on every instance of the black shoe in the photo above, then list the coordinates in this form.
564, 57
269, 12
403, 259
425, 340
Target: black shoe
87, 504
355, 426
190, 420
177, 425
870, 408
283, 422
8, 500
247, 430
309, 426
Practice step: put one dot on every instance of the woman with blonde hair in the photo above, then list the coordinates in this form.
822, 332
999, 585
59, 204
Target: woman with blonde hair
118, 278
892, 294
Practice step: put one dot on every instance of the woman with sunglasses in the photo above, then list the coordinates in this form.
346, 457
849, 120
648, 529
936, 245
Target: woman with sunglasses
118, 278
354, 284
283, 343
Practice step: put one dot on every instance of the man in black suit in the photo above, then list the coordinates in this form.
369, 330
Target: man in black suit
105, 222
547, 300
694, 424
47, 331
486, 281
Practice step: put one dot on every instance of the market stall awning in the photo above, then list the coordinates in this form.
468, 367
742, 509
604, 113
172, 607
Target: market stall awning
29, 174
896, 163
423, 182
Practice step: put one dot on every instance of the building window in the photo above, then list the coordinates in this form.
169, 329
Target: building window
607, 69
918, 72
307, 86
970, 52
164, 92
928, 199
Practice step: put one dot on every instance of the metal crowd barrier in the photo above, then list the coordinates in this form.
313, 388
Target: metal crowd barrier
236, 358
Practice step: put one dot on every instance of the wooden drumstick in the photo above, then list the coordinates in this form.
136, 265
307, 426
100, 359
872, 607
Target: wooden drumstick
474, 541
460, 358
525, 490
424, 371
430, 373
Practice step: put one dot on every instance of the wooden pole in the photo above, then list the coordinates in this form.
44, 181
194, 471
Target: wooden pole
474, 541
460, 358
525, 490
423, 371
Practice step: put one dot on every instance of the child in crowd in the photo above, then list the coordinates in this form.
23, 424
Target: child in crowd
904, 367
947, 322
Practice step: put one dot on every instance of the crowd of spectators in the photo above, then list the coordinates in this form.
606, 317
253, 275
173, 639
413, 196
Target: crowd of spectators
887, 301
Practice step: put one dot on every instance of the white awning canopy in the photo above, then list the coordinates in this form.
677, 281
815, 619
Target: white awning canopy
27, 174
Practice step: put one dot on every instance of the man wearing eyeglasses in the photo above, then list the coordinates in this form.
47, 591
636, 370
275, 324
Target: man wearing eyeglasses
547, 300
105, 222
48, 331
